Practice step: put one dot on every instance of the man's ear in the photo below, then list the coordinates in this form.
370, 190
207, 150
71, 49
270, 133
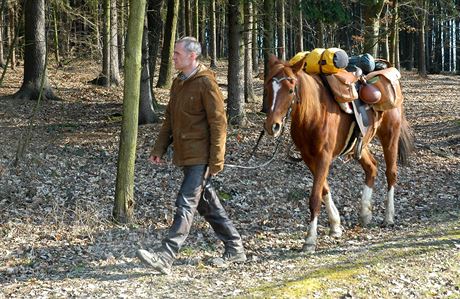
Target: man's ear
194, 56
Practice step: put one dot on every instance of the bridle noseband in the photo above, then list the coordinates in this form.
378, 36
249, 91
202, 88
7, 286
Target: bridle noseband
295, 96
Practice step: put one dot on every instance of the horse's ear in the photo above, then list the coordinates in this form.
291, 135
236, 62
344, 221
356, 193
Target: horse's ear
296, 67
272, 60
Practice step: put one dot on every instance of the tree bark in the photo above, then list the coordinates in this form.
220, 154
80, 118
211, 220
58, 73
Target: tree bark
212, 34
196, 26
188, 18
124, 191
114, 65
11, 32
248, 82
155, 25
2, 56
35, 54
394, 33
106, 45
421, 45
372, 11
299, 27
146, 109
281, 30
235, 102
255, 34
457, 43
267, 42
165, 77
121, 33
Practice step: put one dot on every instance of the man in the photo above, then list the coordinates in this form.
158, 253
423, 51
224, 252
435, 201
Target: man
196, 125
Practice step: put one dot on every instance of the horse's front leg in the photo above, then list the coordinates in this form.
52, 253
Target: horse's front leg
320, 171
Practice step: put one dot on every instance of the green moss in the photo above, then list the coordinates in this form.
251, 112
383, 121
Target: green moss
224, 196
314, 281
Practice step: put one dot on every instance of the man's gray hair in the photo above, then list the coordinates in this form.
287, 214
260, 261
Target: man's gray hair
191, 45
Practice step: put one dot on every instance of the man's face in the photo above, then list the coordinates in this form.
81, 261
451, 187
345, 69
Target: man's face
182, 58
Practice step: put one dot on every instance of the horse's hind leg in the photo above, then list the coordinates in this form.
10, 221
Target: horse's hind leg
389, 136
332, 213
369, 165
390, 153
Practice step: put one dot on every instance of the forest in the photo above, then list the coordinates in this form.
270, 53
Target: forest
83, 89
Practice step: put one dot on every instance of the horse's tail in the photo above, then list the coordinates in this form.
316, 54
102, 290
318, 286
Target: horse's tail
406, 142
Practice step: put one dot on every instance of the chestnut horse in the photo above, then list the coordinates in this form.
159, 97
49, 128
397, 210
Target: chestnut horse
319, 129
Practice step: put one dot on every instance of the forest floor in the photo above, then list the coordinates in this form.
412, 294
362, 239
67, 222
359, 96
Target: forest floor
57, 240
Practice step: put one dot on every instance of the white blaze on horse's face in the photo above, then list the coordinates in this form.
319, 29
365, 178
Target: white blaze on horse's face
276, 87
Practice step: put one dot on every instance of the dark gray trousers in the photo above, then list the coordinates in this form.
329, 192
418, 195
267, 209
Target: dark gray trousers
197, 193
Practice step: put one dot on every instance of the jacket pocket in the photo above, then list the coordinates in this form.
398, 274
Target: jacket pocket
192, 104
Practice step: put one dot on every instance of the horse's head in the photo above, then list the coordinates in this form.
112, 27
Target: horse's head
281, 86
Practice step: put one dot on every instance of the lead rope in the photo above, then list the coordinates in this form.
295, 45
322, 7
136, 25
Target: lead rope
280, 138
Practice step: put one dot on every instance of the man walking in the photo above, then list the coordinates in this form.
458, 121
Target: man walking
196, 125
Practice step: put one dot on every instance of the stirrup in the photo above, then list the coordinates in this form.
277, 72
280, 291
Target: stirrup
358, 148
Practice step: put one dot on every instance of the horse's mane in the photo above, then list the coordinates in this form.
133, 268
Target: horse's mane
309, 94
308, 90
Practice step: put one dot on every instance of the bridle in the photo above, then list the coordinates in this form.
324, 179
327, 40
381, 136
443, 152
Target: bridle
295, 99
295, 96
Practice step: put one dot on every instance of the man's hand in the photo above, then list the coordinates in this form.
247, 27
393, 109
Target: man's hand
155, 160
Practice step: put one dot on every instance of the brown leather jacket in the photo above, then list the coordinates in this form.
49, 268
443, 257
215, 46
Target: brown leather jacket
195, 122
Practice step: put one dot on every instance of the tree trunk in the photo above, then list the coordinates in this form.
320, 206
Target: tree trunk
181, 21
146, 110
155, 25
212, 34
394, 32
35, 54
235, 102
457, 42
421, 45
124, 191
372, 11
196, 26
114, 65
411, 64
188, 18
299, 27
104, 78
281, 30
320, 31
121, 34
56, 37
2, 58
248, 82
268, 42
165, 77
203, 30
254, 35
12, 17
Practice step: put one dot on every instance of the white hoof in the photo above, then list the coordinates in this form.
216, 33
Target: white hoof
309, 248
366, 219
335, 232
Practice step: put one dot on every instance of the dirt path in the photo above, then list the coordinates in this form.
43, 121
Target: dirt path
56, 240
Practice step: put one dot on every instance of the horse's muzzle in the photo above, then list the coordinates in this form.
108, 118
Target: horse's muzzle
274, 130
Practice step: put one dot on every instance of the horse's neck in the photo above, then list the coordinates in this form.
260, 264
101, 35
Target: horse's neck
310, 108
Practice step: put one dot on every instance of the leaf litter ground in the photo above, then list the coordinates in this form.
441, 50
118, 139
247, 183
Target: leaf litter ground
57, 240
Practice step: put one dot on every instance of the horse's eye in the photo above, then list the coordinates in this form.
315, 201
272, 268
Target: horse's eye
291, 90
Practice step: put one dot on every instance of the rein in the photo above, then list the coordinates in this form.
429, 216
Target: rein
253, 151
295, 98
